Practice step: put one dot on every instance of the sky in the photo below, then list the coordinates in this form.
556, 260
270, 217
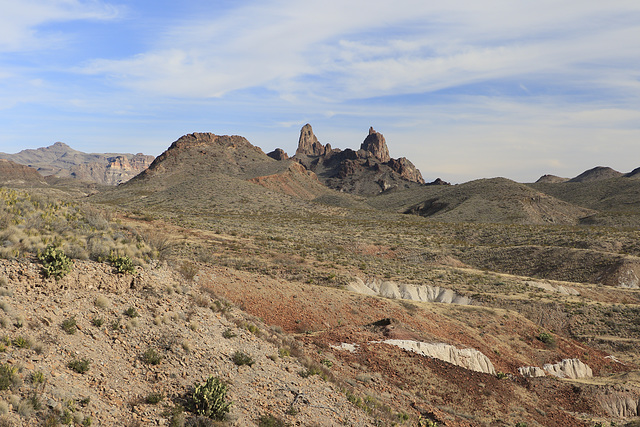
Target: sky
465, 89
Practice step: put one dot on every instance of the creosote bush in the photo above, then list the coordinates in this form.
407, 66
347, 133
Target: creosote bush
210, 399
69, 325
55, 263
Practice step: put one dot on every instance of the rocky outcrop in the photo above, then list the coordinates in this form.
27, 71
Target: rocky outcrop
551, 179
563, 290
569, 368
620, 403
367, 171
375, 145
116, 170
308, 144
531, 371
278, 154
467, 358
424, 293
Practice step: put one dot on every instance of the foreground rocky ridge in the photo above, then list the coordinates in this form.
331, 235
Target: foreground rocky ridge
175, 318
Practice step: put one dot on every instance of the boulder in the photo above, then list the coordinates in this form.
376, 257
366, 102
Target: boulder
569, 368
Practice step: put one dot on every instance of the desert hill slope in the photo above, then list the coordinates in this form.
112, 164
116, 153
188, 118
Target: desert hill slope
62, 161
202, 171
12, 173
485, 200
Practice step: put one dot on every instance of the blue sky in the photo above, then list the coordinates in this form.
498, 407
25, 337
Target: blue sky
464, 89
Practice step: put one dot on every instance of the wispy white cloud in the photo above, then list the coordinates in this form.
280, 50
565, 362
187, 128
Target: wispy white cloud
367, 49
20, 20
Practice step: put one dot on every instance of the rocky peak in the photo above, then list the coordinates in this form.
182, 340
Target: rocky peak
278, 154
375, 144
308, 144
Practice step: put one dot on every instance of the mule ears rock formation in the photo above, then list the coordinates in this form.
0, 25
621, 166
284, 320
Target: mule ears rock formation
308, 144
375, 144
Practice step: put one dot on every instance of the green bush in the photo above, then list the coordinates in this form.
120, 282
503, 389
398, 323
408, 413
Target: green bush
122, 264
209, 399
547, 338
8, 376
55, 263
152, 357
69, 325
80, 366
240, 358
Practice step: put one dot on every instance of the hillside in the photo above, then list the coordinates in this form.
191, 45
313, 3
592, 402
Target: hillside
486, 200
490, 305
202, 172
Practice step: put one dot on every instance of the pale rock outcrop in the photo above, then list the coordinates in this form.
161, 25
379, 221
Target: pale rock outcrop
424, 293
531, 371
622, 404
563, 290
569, 368
468, 358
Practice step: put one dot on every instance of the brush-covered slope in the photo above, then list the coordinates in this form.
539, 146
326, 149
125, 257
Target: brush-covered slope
203, 171
484, 200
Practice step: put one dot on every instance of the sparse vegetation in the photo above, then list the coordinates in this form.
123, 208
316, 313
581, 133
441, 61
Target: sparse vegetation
55, 263
80, 366
210, 399
69, 325
131, 312
240, 359
122, 264
152, 357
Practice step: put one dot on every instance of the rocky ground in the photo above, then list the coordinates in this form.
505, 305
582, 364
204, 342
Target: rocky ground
114, 321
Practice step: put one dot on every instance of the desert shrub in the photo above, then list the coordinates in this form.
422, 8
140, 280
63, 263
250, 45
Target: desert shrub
55, 263
189, 270
271, 421
210, 399
80, 366
240, 358
97, 321
122, 264
228, 333
152, 357
8, 376
37, 377
154, 398
131, 312
21, 342
547, 338
69, 325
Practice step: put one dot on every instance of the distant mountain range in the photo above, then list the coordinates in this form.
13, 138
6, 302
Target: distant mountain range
229, 173
61, 161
